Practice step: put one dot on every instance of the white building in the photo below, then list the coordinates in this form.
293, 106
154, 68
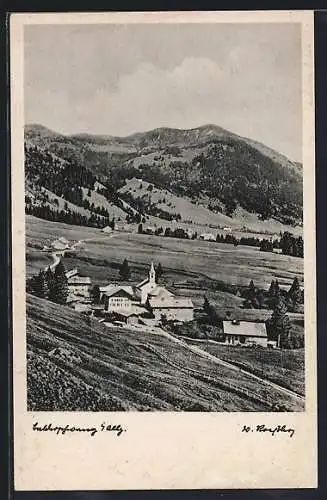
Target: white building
148, 285
116, 298
244, 333
147, 296
207, 237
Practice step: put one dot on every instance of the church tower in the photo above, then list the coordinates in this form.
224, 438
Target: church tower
152, 274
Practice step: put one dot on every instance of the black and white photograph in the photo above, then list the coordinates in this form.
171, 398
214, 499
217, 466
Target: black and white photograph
163, 250
164, 217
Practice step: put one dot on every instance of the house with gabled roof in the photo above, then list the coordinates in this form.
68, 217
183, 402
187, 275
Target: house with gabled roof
116, 298
79, 287
244, 333
59, 245
172, 308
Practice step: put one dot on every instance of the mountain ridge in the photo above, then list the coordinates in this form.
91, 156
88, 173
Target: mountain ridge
208, 131
207, 165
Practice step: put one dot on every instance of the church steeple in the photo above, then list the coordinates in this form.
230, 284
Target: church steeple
152, 274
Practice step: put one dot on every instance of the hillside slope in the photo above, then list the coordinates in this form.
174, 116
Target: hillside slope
208, 165
76, 364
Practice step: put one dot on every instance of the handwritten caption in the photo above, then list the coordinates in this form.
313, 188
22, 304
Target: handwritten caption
62, 430
272, 431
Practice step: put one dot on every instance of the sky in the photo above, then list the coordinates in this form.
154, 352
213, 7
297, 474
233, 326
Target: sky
117, 79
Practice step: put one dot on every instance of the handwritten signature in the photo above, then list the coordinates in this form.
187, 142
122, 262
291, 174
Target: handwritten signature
278, 429
117, 429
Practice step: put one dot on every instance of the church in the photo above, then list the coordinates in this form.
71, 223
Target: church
146, 297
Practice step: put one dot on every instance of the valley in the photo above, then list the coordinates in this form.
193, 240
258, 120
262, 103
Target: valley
219, 214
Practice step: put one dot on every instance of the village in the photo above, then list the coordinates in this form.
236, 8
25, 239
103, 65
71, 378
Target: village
147, 304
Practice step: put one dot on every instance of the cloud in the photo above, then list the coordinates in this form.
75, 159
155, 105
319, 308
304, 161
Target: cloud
152, 96
118, 80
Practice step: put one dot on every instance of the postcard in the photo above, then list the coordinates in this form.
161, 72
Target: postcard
163, 250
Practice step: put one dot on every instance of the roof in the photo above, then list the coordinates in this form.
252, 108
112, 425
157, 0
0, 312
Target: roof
245, 328
63, 240
207, 235
160, 291
71, 273
79, 280
170, 303
59, 245
144, 282
97, 307
111, 290
126, 313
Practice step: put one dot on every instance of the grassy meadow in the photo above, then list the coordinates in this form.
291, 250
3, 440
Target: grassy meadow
102, 369
181, 259
284, 367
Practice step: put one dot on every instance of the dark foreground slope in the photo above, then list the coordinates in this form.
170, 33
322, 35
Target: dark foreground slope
76, 364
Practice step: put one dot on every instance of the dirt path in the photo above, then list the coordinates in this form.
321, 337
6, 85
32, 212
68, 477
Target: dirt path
56, 256
215, 359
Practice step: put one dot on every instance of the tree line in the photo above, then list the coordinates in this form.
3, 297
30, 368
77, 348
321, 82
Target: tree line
67, 216
289, 244
60, 177
256, 298
249, 179
278, 326
51, 285
125, 271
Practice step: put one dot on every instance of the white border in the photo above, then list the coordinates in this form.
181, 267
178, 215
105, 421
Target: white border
162, 450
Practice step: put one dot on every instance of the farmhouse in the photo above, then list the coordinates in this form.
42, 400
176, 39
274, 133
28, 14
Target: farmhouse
130, 317
150, 230
172, 308
207, 237
244, 333
79, 286
60, 244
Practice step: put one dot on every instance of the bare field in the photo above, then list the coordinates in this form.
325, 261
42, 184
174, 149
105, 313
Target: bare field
128, 370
